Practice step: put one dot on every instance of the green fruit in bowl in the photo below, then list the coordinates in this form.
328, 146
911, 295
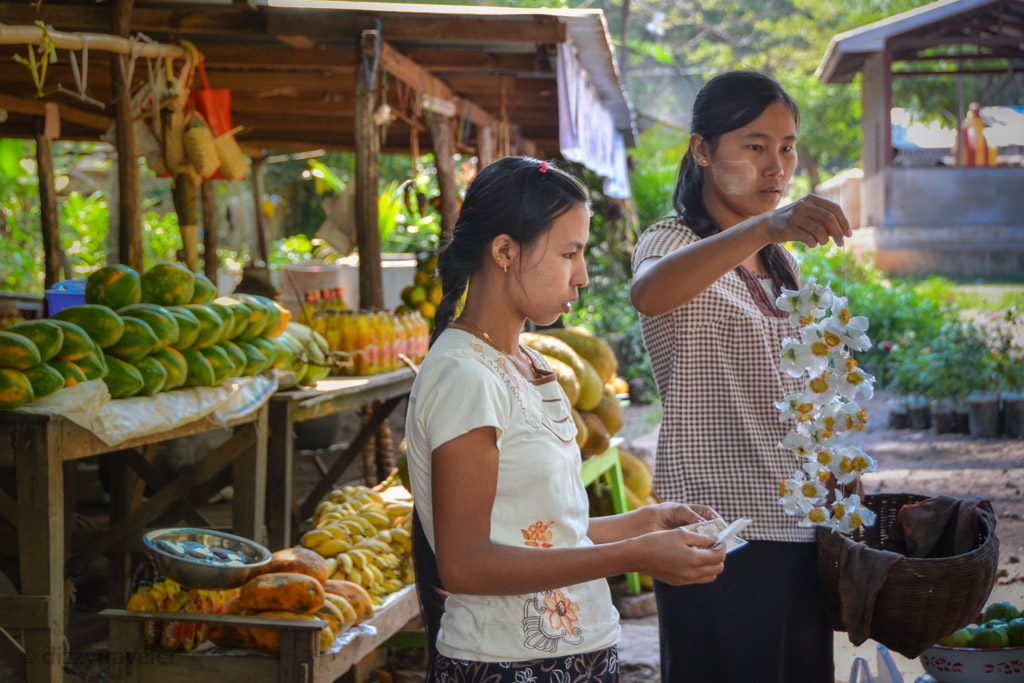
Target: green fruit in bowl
1000, 610
958, 638
986, 638
1015, 632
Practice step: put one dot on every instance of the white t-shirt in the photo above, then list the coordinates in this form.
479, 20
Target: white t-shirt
540, 502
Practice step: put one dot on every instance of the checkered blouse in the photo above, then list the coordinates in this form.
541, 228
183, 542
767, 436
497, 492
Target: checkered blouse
715, 361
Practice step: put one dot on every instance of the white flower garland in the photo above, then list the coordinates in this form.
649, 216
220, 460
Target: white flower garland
826, 409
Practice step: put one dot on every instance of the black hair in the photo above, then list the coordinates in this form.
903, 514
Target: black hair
515, 196
726, 103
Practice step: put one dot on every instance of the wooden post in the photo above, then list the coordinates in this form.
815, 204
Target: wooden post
129, 240
48, 205
371, 294
262, 231
211, 264
185, 203
442, 139
485, 146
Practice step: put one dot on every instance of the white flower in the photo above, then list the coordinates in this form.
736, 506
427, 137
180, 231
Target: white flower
849, 463
816, 516
848, 514
801, 444
800, 494
806, 304
851, 330
795, 407
821, 389
852, 383
799, 357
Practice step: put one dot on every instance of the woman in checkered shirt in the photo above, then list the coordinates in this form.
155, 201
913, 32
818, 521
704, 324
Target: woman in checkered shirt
705, 284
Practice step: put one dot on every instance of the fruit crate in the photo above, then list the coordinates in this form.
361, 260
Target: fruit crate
298, 659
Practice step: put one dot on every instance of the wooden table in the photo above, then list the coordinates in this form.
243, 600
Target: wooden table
45, 450
298, 661
330, 396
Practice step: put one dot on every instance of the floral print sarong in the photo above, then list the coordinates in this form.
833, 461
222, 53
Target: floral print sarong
601, 666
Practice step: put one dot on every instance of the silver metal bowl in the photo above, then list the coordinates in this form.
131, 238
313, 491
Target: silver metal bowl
197, 573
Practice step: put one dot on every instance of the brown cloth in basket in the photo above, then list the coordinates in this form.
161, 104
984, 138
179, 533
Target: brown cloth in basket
936, 527
862, 573
943, 526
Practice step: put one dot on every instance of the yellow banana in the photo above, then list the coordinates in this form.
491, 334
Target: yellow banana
376, 577
378, 519
332, 565
355, 576
391, 585
374, 545
311, 539
332, 547
344, 562
354, 530
397, 510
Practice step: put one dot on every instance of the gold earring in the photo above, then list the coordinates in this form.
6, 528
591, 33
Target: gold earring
505, 268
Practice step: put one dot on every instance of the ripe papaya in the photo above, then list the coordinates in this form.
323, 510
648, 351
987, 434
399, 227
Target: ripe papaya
282, 591
122, 380
138, 341
200, 372
103, 325
168, 284
154, 376
174, 364
356, 595
72, 373
203, 291
113, 286
15, 389
17, 352
299, 561
159, 319
188, 327
45, 334
44, 379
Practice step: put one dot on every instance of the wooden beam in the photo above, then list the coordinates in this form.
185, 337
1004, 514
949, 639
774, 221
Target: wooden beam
421, 80
276, 58
367, 138
485, 146
202, 19
129, 226
48, 206
70, 114
96, 42
329, 24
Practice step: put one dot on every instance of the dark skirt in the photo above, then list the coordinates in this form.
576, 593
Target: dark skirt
601, 666
762, 620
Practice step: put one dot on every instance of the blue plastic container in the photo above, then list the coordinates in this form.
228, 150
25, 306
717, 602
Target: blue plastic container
65, 295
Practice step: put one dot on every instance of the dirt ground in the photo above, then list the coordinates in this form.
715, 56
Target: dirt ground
909, 462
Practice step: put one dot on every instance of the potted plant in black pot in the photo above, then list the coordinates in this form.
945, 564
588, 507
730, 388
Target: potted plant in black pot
949, 375
980, 365
910, 360
1005, 333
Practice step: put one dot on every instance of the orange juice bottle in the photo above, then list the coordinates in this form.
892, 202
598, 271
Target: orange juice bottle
401, 339
310, 305
386, 342
339, 298
422, 336
350, 339
367, 363
333, 326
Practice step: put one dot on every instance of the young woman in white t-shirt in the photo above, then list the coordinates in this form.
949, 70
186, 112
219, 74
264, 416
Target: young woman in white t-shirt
504, 545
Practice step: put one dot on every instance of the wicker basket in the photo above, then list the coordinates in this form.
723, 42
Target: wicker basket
922, 599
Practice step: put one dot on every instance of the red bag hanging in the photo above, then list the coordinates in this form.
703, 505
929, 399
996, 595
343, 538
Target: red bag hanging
213, 103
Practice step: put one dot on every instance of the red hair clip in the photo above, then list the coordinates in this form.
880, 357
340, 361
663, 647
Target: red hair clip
543, 167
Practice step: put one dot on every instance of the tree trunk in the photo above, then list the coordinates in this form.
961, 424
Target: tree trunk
129, 242
48, 206
371, 294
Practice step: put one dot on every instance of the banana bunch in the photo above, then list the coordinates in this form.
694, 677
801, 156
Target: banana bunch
365, 538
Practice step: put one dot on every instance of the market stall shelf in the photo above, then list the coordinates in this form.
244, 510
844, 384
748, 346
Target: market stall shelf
297, 661
44, 450
330, 396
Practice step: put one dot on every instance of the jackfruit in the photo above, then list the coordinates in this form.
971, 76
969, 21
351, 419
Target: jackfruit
581, 428
566, 379
610, 411
636, 475
590, 383
598, 439
594, 350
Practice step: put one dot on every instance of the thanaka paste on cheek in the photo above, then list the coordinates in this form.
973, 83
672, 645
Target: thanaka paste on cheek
735, 178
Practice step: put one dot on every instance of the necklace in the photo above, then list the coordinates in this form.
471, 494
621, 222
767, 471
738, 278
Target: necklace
482, 334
